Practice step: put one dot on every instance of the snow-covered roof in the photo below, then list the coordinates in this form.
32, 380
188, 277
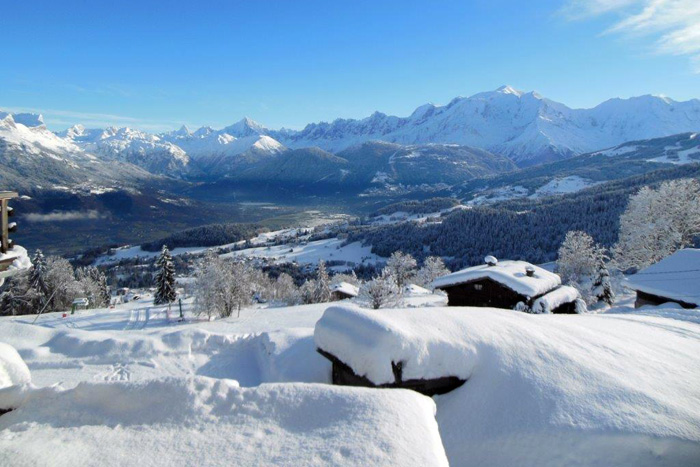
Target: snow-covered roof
557, 297
676, 277
345, 288
512, 274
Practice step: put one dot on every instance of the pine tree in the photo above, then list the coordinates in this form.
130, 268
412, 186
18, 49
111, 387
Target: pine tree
322, 292
602, 288
165, 279
37, 280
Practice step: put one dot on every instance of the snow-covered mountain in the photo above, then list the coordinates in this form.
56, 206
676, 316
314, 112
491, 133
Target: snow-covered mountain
32, 157
128, 145
220, 150
523, 126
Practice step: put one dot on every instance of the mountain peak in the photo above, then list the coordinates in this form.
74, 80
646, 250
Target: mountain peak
245, 127
505, 89
183, 131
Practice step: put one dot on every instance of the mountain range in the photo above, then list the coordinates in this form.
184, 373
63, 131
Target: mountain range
489, 133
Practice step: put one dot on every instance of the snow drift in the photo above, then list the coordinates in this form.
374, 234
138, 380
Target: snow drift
540, 389
197, 421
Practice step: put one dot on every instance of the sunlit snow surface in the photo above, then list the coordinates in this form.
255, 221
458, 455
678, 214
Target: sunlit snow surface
620, 388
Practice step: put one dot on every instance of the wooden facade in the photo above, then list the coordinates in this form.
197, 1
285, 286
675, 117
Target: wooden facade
343, 375
644, 298
340, 295
6, 227
484, 292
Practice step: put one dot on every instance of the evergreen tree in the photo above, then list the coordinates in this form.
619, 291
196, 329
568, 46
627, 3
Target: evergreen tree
165, 279
602, 288
322, 292
37, 280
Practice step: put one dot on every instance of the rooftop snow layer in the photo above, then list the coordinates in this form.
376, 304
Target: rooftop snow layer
540, 389
676, 277
512, 274
556, 298
346, 288
205, 421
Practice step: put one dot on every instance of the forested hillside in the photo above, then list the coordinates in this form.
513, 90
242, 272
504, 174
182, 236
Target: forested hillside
530, 229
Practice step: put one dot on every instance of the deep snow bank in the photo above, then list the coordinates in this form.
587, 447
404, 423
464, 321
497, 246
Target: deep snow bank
203, 421
541, 389
13, 370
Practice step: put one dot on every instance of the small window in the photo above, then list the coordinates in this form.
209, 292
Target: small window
478, 286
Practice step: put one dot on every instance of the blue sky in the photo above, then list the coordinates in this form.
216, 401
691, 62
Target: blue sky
155, 65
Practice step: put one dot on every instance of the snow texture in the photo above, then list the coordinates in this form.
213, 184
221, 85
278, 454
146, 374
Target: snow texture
205, 421
509, 273
13, 370
541, 389
556, 298
676, 277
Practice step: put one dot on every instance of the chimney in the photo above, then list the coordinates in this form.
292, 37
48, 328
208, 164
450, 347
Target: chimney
491, 260
530, 271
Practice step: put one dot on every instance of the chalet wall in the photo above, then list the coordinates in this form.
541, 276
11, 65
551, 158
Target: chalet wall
644, 298
483, 293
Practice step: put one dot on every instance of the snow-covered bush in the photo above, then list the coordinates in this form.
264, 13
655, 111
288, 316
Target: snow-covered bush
579, 263
658, 222
381, 291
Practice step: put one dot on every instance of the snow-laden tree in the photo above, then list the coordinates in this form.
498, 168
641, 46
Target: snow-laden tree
93, 285
285, 290
657, 222
350, 278
307, 291
17, 298
401, 267
381, 291
578, 257
165, 279
322, 292
60, 280
37, 280
433, 267
221, 287
602, 286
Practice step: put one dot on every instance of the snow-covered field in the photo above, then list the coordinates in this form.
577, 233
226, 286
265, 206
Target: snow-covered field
129, 385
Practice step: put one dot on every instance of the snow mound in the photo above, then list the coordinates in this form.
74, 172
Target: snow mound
13, 370
512, 274
203, 421
540, 389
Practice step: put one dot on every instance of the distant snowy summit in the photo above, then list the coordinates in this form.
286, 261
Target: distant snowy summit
524, 126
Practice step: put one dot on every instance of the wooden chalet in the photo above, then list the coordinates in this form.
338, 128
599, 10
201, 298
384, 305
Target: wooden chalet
343, 291
508, 285
674, 279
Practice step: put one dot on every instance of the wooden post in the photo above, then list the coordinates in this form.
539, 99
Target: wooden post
5, 196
